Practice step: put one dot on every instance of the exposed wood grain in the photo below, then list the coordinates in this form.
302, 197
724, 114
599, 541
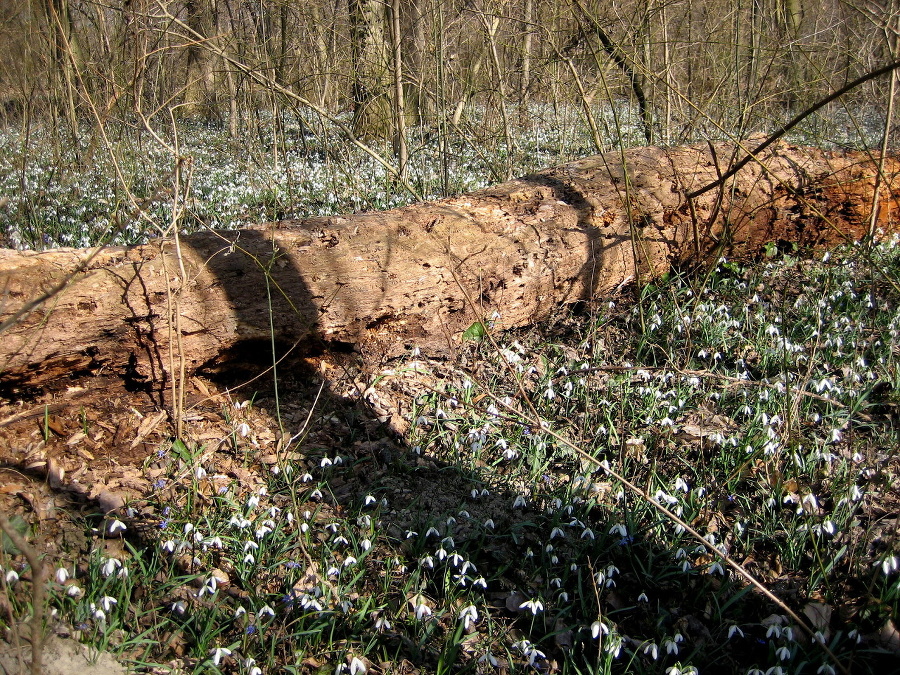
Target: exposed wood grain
384, 281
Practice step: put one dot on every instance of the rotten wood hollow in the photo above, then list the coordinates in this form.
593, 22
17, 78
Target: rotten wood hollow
421, 274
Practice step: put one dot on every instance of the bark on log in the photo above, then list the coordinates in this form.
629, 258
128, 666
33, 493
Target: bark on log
384, 281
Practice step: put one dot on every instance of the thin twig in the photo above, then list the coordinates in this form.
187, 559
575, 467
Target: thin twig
782, 130
37, 592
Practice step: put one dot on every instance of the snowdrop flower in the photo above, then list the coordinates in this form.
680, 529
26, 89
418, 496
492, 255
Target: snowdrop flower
111, 566
179, 607
468, 616
422, 612
652, 649
534, 605
619, 529
489, 659
519, 502
349, 560
74, 591
783, 653
369, 500
716, 568
12, 577
357, 666
825, 669
587, 533
480, 582
264, 611
116, 526
735, 630
107, 602
599, 628
218, 654
889, 565
557, 532
643, 598
62, 575
671, 644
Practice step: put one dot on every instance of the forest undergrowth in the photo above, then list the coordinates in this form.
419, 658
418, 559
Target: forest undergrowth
592, 495
757, 403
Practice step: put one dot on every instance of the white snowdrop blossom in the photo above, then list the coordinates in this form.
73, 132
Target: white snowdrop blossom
619, 529
671, 644
357, 666
116, 526
534, 605
218, 654
468, 616
599, 628
111, 566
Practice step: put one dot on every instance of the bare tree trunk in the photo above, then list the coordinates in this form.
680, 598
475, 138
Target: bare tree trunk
370, 59
422, 274
199, 85
527, 48
401, 154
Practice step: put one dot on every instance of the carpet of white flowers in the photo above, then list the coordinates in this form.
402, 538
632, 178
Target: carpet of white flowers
59, 191
758, 403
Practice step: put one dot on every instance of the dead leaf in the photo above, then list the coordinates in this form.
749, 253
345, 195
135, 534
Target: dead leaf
819, 615
889, 637
55, 474
514, 600
148, 424
562, 637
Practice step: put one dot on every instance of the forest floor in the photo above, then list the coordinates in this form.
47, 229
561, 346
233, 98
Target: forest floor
433, 516
596, 494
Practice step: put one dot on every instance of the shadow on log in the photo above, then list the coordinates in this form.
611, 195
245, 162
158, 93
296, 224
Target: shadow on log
382, 282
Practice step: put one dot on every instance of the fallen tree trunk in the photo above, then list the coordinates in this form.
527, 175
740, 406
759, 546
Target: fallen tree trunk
385, 281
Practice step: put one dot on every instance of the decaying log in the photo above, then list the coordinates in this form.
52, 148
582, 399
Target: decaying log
385, 281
